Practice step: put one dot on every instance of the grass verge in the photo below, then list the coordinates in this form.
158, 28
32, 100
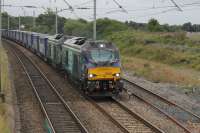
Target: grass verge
158, 72
160, 57
174, 49
5, 86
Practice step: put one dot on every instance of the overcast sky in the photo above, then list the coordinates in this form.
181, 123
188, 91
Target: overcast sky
137, 10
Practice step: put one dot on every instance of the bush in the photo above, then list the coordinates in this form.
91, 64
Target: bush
134, 44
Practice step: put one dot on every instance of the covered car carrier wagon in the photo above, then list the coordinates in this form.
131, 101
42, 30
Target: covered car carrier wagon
43, 42
30, 39
25, 39
17, 36
35, 45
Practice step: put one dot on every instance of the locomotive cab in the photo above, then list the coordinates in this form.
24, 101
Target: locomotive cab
102, 68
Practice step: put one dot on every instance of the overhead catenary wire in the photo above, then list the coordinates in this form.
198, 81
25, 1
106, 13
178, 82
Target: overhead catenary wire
26, 6
165, 11
178, 7
69, 5
144, 8
170, 8
84, 3
71, 9
161, 12
117, 10
163, 7
154, 8
120, 6
114, 10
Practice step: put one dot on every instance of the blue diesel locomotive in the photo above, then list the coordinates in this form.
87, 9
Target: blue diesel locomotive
94, 65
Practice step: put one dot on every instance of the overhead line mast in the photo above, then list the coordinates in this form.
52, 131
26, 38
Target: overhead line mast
19, 22
34, 24
8, 22
56, 23
95, 16
95, 23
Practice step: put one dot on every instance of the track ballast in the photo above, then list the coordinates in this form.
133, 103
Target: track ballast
60, 117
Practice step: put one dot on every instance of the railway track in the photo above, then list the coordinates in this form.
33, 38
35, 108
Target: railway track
60, 117
54, 106
127, 120
179, 115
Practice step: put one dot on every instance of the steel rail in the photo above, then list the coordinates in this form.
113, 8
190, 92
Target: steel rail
62, 99
162, 112
81, 126
139, 117
102, 110
134, 114
36, 93
164, 100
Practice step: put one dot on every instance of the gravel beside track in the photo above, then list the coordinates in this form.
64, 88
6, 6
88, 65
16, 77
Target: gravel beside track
190, 121
151, 114
129, 120
30, 117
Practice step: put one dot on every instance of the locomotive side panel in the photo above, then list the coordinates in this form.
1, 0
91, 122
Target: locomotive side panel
71, 62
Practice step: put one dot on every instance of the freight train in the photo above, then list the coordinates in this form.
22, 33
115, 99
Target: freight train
94, 65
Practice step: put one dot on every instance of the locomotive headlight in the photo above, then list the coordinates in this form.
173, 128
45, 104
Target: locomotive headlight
90, 75
117, 74
101, 45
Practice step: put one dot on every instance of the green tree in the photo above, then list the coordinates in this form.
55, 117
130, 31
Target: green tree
187, 27
46, 23
5, 20
14, 23
153, 25
76, 27
107, 26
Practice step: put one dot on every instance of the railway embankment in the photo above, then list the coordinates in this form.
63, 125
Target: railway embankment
6, 105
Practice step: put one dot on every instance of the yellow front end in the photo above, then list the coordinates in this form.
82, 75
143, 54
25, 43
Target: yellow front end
104, 73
